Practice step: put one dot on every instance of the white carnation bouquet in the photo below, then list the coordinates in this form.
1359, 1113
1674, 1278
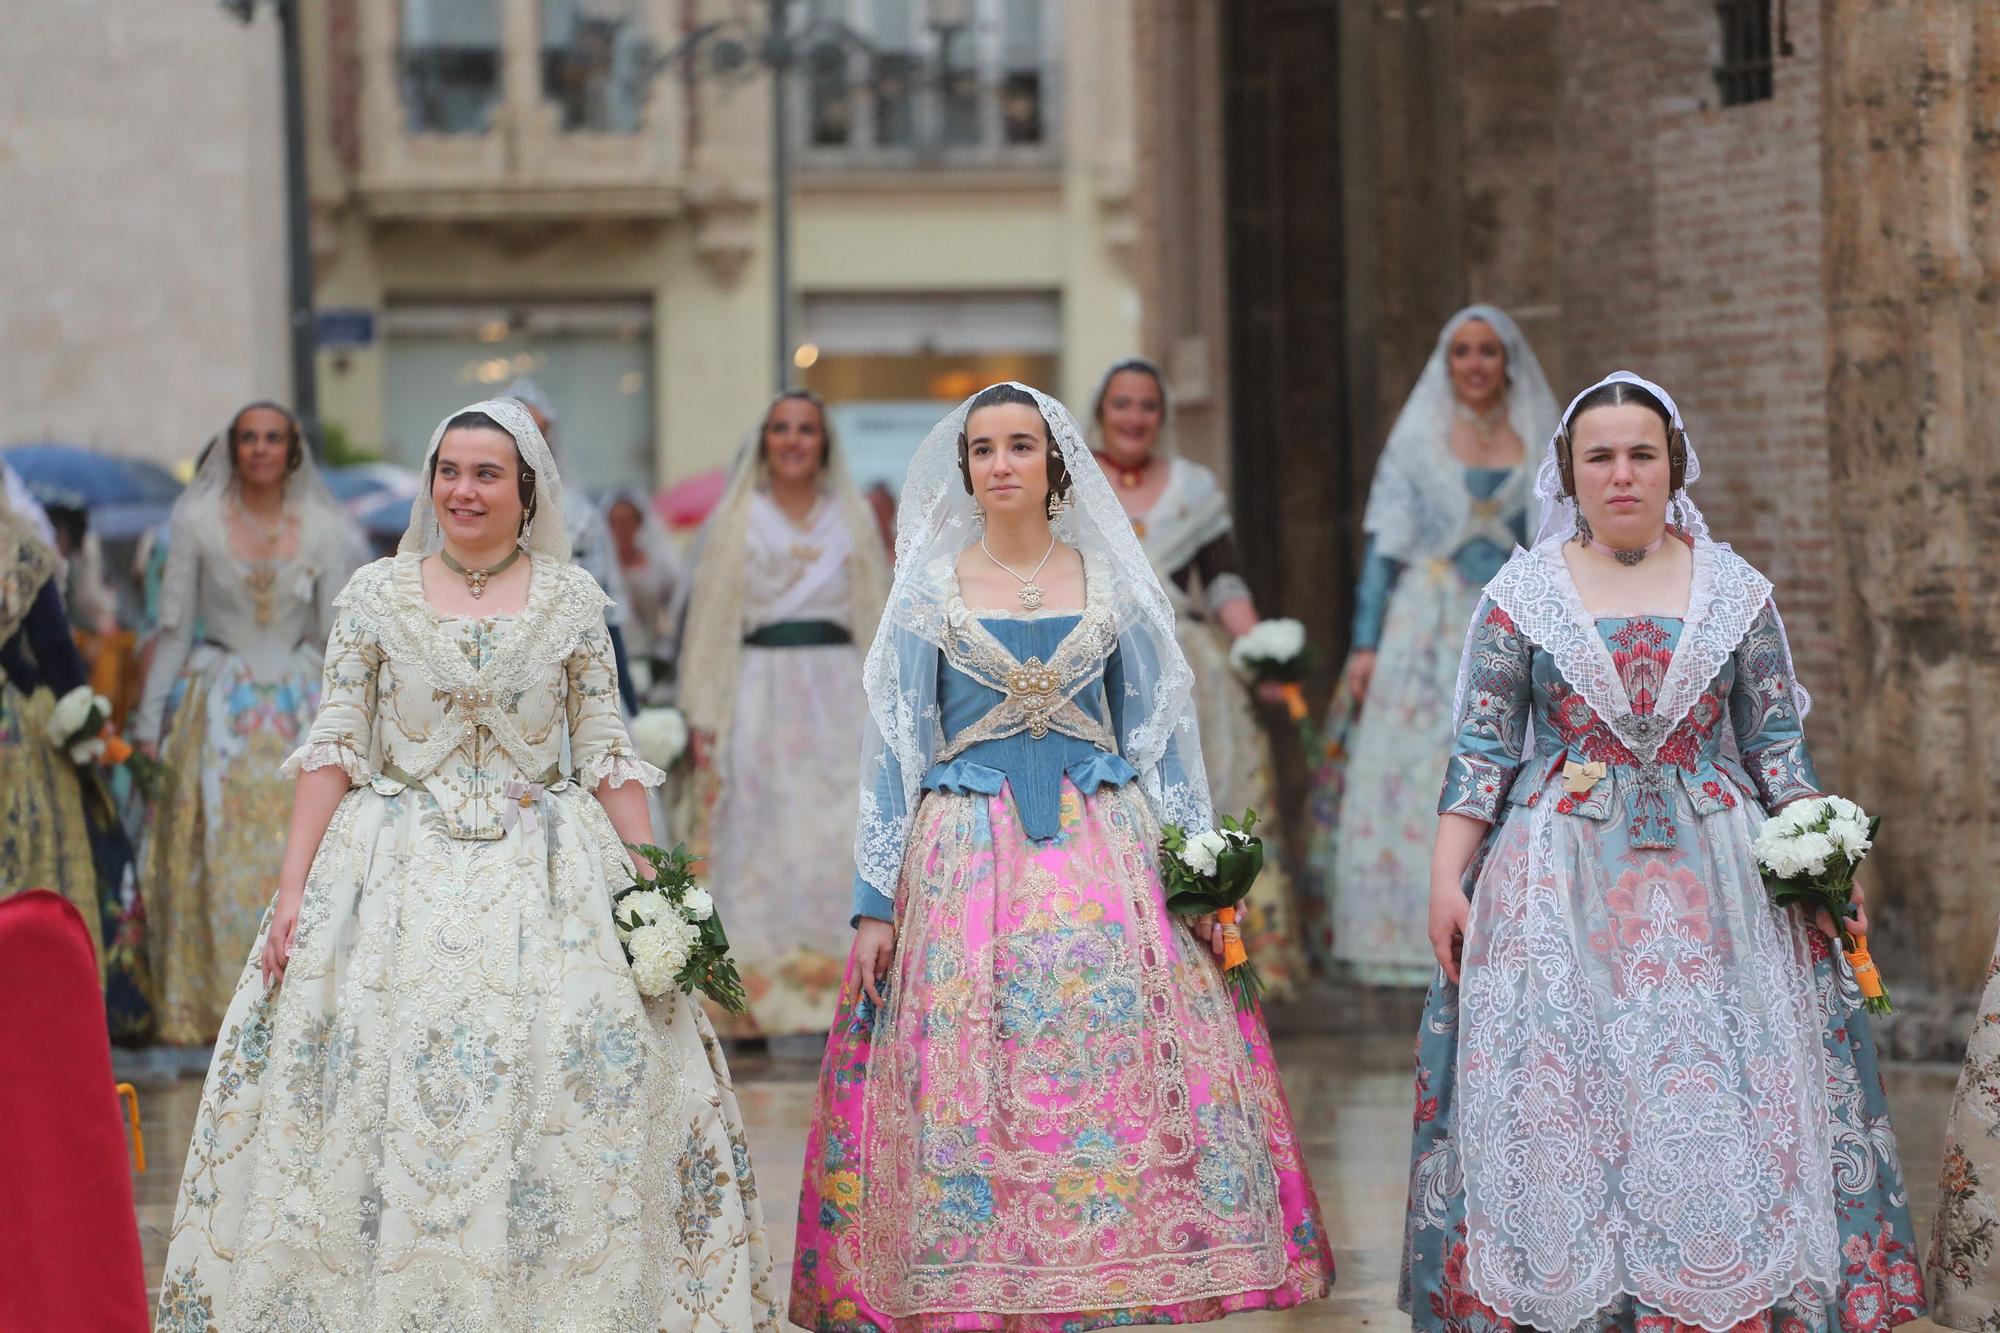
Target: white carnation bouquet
1210, 873
661, 736
81, 728
672, 935
1276, 650
1808, 853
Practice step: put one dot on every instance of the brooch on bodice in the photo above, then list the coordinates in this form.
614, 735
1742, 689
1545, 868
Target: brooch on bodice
1034, 686
468, 699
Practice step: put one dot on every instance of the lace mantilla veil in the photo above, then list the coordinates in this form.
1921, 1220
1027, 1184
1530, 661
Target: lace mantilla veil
329, 539
1716, 580
1418, 505
548, 535
933, 525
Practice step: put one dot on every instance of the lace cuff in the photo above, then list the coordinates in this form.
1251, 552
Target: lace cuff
1224, 589
617, 767
328, 754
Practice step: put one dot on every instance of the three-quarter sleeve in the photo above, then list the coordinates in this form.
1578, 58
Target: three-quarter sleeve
340, 732
1221, 574
1379, 573
1492, 724
1763, 711
178, 584
600, 747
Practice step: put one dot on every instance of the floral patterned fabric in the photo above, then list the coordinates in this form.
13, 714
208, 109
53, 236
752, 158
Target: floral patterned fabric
456, 1111
1655, 1103
1057, 1121
1370, 856
226, 709
791, 745
1965, 1286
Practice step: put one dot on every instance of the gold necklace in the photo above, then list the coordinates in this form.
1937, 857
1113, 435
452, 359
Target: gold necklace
475, 579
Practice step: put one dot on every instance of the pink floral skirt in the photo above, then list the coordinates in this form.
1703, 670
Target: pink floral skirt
1057, 1120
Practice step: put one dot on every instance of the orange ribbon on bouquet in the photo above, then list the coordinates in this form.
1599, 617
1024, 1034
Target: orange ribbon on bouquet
1295, 701
1234, 955
1866, 975
116, 748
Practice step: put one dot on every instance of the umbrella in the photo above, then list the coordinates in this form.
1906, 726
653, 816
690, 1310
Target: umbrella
687, 502
124, 496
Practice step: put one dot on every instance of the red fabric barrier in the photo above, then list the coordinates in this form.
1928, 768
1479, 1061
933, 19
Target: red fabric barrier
69, 1239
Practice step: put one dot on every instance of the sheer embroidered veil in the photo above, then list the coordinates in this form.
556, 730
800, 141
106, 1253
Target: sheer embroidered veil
933, 525
1418, 505
547, 537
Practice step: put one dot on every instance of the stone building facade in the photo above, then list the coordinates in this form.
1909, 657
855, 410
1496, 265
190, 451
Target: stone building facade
142, 211
1801, 266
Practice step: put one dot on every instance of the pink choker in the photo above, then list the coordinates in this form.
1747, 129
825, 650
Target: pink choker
1626, 558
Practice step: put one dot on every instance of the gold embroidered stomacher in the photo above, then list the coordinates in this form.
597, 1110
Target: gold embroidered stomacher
1038, 697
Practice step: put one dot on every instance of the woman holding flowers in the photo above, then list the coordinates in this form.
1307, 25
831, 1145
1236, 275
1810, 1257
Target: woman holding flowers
1646, 1093
1181, 516
440, 1098
1448, 505
257, 548
1041, 1110
788, 582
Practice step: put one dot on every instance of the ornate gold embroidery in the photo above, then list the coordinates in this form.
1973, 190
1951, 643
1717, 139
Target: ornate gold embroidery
1033, 686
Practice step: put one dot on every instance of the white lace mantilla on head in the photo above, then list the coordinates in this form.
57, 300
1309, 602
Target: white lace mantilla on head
1724, 599
904, 736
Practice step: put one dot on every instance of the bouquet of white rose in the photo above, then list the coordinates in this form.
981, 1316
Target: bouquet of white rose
80, 727
1807, 853
661, 736
671, 933
1210, 873
1276, 650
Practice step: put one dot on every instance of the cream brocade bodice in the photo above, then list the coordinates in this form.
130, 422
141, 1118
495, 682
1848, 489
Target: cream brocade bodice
465, 706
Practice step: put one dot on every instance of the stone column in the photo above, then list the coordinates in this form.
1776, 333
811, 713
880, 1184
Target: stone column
1912, 161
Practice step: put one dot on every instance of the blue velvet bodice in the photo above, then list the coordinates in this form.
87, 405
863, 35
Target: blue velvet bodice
1476, 562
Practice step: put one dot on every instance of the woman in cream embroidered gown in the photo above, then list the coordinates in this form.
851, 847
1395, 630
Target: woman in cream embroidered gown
1964, 1280
1647, 1097
439, 1100
1448, 505
257, 548
789, 577
1182, 517
1039, 1110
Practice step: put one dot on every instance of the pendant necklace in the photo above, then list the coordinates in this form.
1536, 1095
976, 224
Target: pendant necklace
1030, 592
1486, 425
475, 579
1625, 557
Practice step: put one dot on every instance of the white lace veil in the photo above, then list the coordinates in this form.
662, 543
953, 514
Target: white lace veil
1418, 505
1165, 446
329, 538
1558, 525
1158, 735
547, 537
1559, 511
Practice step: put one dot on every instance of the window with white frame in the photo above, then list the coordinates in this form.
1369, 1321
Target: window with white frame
954, 82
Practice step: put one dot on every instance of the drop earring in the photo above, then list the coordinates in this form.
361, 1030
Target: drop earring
527, 529
1583, 532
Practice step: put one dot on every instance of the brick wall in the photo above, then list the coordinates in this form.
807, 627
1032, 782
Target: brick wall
1691, 244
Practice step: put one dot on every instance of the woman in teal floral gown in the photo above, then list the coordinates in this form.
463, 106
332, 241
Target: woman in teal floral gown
1646, 1097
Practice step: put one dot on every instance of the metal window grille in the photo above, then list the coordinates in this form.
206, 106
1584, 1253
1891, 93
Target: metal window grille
1745, 74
